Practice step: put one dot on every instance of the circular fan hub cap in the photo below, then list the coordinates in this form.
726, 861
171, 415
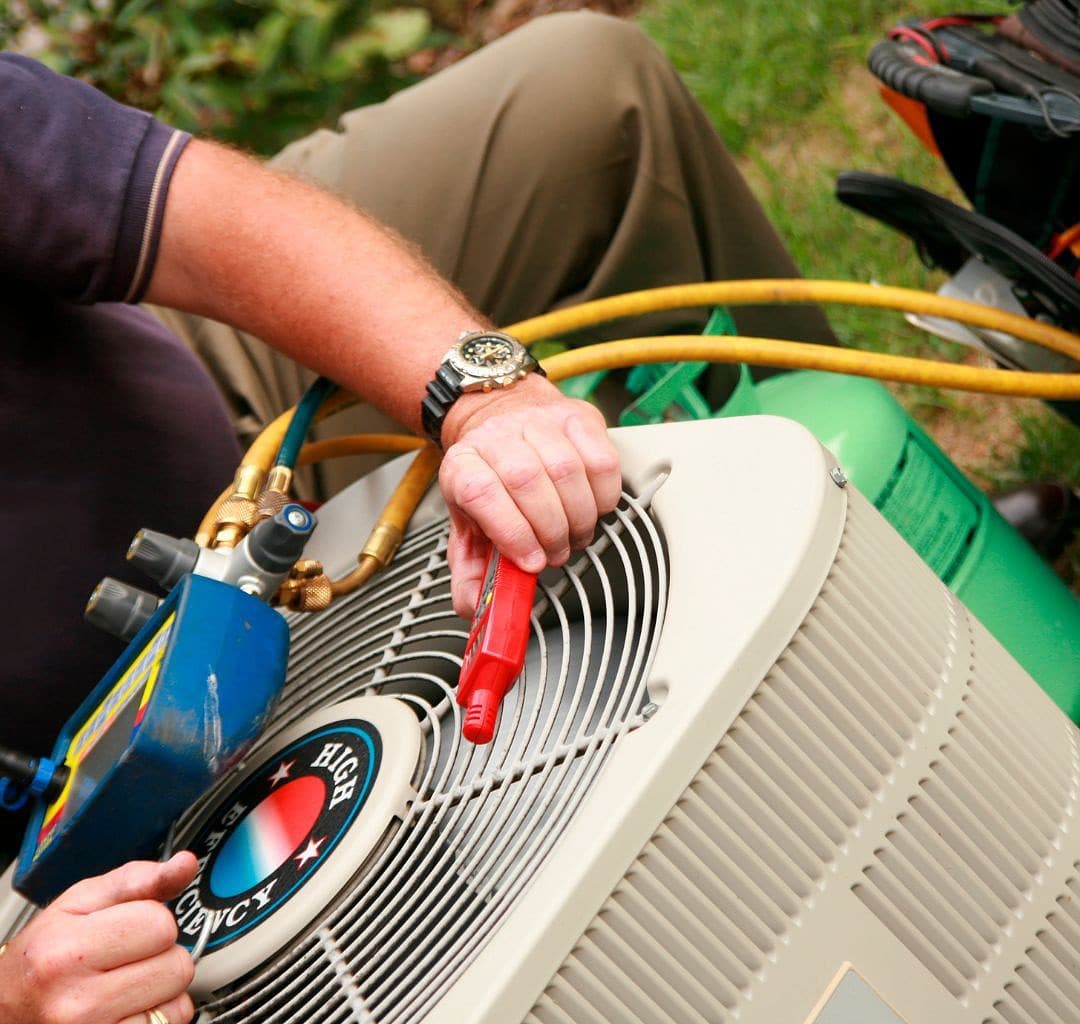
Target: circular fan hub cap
279, 844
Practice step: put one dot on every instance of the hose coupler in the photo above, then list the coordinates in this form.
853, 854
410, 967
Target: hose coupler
382, 544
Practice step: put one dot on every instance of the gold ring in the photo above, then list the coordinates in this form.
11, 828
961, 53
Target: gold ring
156, 1017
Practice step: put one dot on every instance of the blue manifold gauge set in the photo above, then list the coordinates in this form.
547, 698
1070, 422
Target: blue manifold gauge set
187, 698
199, 678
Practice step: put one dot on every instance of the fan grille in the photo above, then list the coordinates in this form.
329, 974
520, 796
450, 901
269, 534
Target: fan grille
484, 818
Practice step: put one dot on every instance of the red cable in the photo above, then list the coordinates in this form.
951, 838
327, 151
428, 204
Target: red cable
961, 19
1064, 240
909, 34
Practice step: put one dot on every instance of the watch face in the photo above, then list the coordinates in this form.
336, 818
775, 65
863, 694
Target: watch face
490, 354
488, 351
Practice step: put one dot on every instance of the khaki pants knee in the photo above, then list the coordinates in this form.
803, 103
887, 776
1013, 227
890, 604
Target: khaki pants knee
562, 163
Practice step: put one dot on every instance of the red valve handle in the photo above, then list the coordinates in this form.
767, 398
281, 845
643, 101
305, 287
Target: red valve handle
498, 639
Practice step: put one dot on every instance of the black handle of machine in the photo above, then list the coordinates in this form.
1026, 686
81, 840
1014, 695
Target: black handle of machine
945, 91
1014, 81
23, 776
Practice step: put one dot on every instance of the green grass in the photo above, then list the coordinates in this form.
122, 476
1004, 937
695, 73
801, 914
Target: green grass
755, 65
785, 84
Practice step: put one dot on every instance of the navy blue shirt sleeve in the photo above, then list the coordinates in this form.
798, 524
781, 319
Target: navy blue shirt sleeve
83, 181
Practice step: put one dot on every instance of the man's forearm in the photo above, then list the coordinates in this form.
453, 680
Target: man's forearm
525, 467
308, 274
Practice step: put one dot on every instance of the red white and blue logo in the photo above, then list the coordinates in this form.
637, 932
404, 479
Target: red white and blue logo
265, 840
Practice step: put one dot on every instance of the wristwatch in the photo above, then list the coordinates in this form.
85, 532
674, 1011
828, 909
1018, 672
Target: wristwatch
480, 361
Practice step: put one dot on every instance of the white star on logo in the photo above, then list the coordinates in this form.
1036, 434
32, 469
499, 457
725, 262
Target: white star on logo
310, 852
281, 774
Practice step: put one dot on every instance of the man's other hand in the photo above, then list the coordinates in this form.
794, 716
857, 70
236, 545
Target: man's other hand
104, 952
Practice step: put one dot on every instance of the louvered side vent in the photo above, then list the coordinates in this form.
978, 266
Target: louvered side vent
953, 874
484, 819
700, 918
1046, 987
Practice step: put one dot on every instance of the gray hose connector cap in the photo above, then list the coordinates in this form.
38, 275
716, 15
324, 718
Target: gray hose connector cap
163, 558
275, 544
119, 608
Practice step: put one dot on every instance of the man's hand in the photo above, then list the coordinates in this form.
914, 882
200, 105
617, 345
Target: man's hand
104, 952
528, 469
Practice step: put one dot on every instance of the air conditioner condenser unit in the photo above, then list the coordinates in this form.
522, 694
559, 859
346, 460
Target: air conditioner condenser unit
761, 766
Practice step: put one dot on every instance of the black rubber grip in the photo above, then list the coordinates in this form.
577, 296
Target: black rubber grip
947, 92
1006, 78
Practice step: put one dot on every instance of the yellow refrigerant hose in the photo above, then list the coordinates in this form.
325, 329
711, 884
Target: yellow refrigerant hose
725, 349
787, 291
388, 533
314, 452
767, 292
799, 355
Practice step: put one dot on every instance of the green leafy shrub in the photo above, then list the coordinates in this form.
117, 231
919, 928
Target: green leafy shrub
257, 73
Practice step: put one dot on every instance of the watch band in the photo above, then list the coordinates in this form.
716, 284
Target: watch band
442, 392
445, 389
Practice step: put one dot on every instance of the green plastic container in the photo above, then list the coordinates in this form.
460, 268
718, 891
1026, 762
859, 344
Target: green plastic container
949, 522
945, 518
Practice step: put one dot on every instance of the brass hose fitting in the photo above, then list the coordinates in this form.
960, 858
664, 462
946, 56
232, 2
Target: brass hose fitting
382, 543
236, 516
309, 594
279, 479
306, 568
237, 513
275, 495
